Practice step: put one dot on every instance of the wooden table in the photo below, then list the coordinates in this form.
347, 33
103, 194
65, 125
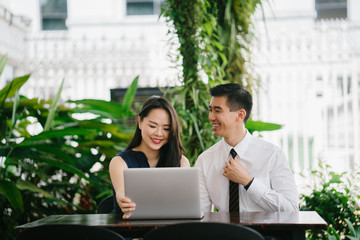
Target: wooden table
280, 224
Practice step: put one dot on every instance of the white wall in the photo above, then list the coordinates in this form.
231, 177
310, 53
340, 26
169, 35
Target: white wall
285, 9
89, 12
292, 53
353, 10
29, 9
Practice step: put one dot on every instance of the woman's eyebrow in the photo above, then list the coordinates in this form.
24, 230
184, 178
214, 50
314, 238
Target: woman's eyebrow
167, 125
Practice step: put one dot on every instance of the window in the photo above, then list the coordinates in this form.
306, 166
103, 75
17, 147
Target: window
142, 94
53, 14
327, 9
143, 7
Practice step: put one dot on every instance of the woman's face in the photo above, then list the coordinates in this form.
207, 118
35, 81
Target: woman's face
155, 128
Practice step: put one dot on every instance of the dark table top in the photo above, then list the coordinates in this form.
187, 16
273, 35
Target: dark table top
294, 221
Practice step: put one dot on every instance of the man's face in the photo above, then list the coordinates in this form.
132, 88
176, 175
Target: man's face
223, 121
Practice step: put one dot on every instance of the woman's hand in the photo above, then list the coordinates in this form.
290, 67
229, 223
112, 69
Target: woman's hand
127, 207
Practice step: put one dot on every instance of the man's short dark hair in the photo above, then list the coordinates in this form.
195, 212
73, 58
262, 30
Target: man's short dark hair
237, 97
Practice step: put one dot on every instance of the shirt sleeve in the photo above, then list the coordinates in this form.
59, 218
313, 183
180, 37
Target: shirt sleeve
282, 194
204, 194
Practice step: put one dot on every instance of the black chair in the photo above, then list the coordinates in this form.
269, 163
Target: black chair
204, 231
68, 232
106, 205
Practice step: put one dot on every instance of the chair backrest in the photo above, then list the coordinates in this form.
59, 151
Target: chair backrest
204, 231
106, 205
68, 232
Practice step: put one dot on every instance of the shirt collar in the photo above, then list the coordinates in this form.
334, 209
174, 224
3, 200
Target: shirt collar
241, 147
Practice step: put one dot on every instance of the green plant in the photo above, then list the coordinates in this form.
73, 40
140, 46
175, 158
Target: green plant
336, 198
332, 234
354, 231
184, 18
227, 36
212, 37
54, 157
259, 126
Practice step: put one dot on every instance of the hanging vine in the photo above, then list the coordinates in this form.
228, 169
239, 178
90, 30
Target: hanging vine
212, 37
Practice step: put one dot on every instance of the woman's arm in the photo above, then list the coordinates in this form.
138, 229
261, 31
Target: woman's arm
116, 170
184, 162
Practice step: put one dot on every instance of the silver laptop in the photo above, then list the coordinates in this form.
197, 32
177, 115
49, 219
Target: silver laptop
164, 193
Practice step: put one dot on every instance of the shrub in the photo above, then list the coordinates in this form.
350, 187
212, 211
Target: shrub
52, 162
336, 198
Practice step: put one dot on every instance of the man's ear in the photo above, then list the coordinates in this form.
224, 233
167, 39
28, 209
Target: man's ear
139, 122
241, 114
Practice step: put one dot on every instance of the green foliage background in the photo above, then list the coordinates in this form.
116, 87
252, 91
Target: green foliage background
336, 197
55, 162
52, 162
213, 38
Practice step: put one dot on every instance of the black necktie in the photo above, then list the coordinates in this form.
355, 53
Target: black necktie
234, 191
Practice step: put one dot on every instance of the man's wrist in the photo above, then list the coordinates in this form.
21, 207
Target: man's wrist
249, 184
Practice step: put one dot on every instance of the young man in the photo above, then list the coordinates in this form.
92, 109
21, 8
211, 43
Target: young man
257, 171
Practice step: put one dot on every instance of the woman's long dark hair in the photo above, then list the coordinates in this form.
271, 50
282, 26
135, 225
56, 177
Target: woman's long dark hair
171, 152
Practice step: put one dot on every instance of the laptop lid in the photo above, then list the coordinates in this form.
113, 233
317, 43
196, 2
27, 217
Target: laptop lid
164, 193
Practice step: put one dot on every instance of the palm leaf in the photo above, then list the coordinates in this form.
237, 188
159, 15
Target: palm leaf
51, 115
13, 117
10, 89
57, 134
3, 61
53, 150
351, 228
194, 119
262, 126
103, 108
64, 166
109, 109
130, 93
12, 194
25, 185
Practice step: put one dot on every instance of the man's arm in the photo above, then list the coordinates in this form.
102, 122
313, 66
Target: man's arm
282, 194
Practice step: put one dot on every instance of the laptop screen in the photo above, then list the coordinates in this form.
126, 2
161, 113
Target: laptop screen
164, 193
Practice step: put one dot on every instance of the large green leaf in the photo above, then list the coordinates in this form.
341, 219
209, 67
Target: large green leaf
51, 115
99, 125
13, 117
3, 61
64, 166
109, 109
99, 143
12, 194
260, 126
57, 134
24, 185
194, 119
130, 94
10, 89
104, 108
53, 160
54, 150
114, 130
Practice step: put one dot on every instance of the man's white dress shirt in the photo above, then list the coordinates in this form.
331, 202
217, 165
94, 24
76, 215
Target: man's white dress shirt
273, 188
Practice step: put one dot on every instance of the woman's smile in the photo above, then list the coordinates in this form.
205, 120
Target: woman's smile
156, 140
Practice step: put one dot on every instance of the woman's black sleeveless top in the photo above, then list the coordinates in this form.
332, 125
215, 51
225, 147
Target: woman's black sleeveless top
133, 159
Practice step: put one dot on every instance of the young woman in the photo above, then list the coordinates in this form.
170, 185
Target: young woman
156, 143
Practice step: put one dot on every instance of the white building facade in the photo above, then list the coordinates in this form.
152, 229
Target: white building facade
99, 47
306, 57
308, 64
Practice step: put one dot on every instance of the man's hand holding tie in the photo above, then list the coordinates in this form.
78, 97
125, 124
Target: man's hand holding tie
235, 172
